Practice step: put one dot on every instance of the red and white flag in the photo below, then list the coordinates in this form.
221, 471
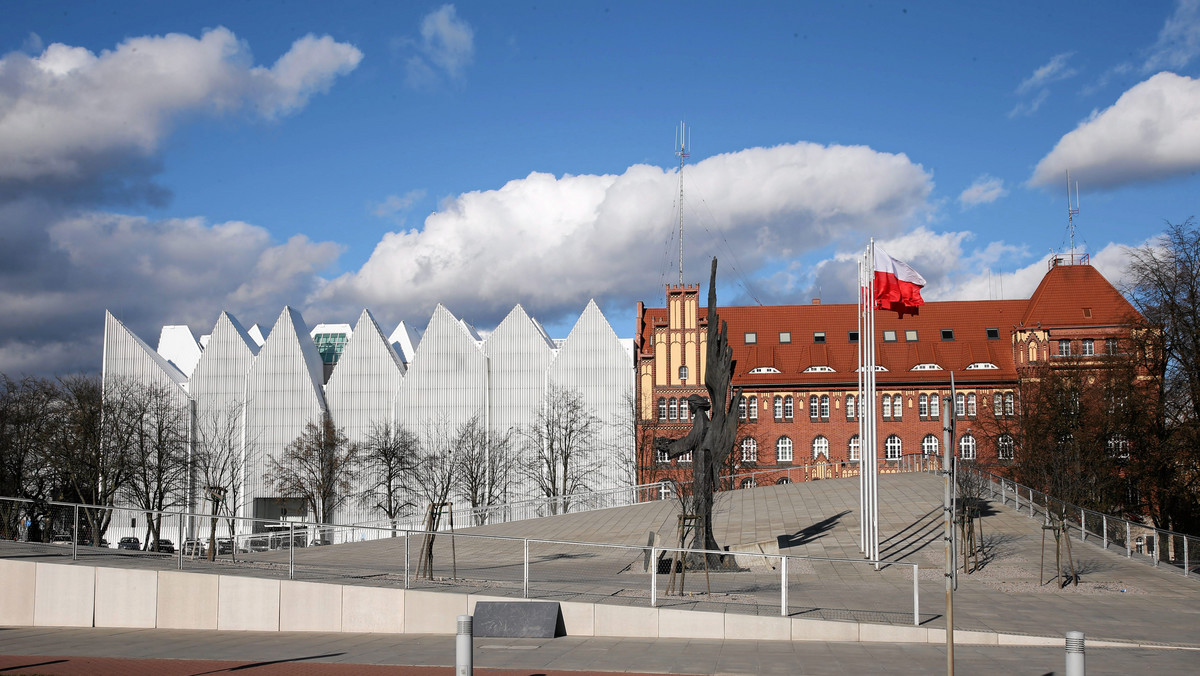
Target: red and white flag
897, 285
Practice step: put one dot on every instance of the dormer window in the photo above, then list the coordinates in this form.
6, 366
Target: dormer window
785, 337
818, 336
764, 369
751, 338
981, 366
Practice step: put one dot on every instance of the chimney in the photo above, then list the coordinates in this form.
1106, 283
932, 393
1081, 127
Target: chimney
816, 301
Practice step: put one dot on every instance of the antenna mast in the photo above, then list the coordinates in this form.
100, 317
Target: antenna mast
682, 151
1072, 212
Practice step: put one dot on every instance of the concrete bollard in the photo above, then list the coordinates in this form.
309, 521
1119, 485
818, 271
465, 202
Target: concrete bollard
464, 648
1075, 665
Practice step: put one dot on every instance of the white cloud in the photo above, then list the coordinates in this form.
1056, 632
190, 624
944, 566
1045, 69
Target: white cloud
1052, 71
1178, 41
1151, 132
1038, 83
395, 206
551, 243
447, 45
69, 114
985, 190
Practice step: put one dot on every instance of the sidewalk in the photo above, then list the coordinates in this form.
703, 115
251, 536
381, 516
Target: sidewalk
51, 652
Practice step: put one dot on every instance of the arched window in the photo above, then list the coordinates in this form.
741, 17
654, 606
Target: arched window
893, 448
825, 406
748, 483
662, 408
935, 406
960, 405
683, 373
887, 406
971, 411
820, 447
673, 409
897, 407
778, 407
660, 456
854, 448
929, 445
783, 481
1118, 447
813, 411
966, 447
1008, 404
783, 450
664, 490
749, 450
851, 413
741, 408
788, 407
923, 406
1004, 447
752, 407
685, 459
997, 404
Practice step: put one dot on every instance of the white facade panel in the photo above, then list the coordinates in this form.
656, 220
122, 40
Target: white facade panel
593, 361
283, 395
177, 345
447, 379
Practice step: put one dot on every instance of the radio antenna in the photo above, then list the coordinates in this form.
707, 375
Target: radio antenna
683, 148
1072, 212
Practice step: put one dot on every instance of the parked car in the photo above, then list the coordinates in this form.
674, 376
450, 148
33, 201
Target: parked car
60, 540
166, 546
224, 546
130, 543
194, 548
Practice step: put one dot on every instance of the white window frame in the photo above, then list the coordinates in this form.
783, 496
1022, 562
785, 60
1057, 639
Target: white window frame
1004, 447
1088, 347
820, 446
893, 448
967, 447
885, 407
825, 406
851, 409
752, 408
854, 448
778, 410
783, 449
923, 406
749, 449
789, 407
930, 445
935, 406
898, 407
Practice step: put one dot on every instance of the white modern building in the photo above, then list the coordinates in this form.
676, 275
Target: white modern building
270, 384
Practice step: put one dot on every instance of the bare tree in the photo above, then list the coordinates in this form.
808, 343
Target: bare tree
90, 449
389, 457
560, 445
319, 467
483, 464
158, 452
220, 449
27, 421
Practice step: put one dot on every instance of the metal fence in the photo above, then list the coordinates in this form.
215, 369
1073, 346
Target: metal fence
482, 564
1141, 541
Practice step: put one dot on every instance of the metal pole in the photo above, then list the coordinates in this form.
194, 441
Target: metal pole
1128, 547
1082, 525
75, 536
916, 599
1075, 662
464, 648
1185, 556
407, 537
654, 577
948, 417
1104, 524
291, 549
526, 584
783, 588
180, 541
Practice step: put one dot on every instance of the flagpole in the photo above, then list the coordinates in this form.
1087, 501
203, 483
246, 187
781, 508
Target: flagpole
861, 412
873, 479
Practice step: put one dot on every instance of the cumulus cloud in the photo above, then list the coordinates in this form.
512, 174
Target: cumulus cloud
1178, 41
551, 243
70, 115
1037, 84
985, 190
447, 46
81, 132
1152, 132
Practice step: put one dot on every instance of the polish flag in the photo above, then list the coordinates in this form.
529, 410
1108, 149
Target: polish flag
897, 285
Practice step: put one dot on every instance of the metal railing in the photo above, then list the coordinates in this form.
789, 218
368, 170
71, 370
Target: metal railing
1141, 541
408, 558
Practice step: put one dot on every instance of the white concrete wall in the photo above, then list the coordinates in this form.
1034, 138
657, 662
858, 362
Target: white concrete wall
50, 594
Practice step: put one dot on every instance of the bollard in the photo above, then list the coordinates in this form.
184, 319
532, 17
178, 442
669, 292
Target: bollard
1075, 665
464, 662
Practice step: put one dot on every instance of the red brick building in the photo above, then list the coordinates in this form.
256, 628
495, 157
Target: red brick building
797, 367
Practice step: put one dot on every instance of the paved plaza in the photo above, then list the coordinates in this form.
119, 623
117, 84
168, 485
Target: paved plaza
1152, 612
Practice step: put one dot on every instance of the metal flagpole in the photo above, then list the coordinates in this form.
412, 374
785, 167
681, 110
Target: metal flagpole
873, 480
862, 410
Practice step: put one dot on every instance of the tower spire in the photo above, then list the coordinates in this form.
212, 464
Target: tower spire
682, 151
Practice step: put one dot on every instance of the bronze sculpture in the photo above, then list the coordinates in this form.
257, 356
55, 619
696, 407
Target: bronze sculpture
711, 439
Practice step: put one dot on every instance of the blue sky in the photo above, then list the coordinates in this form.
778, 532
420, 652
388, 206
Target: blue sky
169, 160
